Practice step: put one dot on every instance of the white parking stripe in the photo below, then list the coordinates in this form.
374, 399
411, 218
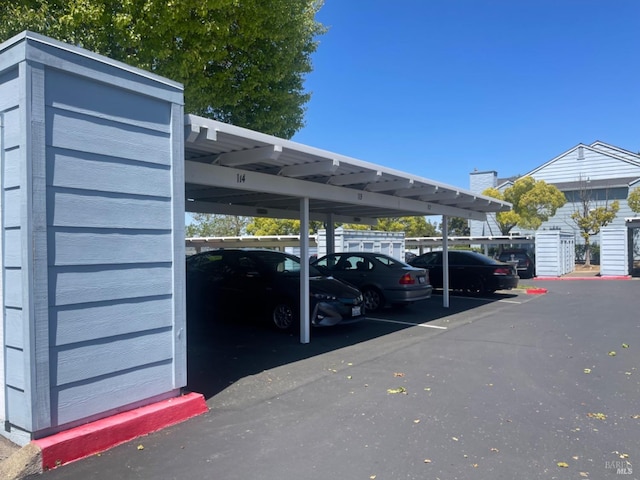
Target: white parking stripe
425, 325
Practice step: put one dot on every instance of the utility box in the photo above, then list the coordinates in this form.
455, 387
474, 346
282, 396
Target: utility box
92, 222
614, 251
347, 240
555, 253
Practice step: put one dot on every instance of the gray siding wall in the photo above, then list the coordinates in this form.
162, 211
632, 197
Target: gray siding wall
93, 234
15, 358
555, 253
595, 165
109, 233
478, 183
614, 251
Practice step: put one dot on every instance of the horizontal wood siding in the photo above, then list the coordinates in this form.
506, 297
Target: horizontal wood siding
78, 362
100, 320
93, 396
110, 236
614, 259
88, 284
13, 362
109, 246
595, 165
9, 88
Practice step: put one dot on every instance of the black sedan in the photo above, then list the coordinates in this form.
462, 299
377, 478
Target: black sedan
525, 265
469, 271
381, 278
267, 282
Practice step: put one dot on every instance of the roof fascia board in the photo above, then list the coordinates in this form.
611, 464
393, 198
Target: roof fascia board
217, 176
588, 147
251, 211
598, 143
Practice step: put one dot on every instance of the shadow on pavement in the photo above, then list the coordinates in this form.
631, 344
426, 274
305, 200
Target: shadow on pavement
224, 349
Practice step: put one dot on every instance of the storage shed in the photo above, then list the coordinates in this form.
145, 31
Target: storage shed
93, 314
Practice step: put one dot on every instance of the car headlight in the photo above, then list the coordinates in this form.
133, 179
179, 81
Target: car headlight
324, 296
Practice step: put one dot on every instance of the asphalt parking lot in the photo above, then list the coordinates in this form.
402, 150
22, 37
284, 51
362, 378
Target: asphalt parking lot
511, 386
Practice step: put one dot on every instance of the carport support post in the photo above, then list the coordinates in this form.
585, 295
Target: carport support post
330, 235
304, 271
445, 261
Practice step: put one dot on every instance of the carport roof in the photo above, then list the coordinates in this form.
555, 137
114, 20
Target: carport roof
233, 170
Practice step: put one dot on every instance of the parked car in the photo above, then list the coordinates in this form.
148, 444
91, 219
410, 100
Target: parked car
526, 266
469, 271
381, 279
267, 282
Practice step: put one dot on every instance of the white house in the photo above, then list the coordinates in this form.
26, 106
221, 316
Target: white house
606, 172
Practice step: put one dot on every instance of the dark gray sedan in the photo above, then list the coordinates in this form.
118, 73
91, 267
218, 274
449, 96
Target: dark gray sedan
381, 279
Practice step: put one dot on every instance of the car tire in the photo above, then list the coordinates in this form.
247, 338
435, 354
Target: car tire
477, 286
373, 299
284, 316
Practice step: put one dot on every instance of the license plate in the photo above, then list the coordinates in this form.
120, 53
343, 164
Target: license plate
355, 311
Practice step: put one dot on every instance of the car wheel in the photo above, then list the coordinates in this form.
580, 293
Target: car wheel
373, 299
284, 316
477, 286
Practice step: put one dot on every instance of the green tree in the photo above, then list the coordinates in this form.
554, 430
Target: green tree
411, 226
260, 226
590, 216
505, 220
634, 200
211, 225
241, 61
534, 202
458, 227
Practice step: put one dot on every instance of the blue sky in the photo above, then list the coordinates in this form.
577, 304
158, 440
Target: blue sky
438, 88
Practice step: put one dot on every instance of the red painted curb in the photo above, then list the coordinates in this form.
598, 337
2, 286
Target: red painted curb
612, 277
81, 442
536, 291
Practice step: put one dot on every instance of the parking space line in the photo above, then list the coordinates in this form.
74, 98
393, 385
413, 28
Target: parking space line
425, 325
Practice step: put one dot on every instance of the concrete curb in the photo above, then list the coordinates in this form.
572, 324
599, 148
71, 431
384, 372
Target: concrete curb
95, 437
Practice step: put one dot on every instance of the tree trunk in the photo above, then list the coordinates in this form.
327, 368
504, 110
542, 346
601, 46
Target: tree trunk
587, 253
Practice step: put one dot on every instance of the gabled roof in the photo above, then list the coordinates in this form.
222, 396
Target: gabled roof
597, 147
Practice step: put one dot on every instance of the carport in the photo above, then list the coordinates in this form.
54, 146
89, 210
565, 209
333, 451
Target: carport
235, 171
93, 157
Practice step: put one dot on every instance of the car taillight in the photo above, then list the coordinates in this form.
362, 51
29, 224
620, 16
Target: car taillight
502, 271
407, 279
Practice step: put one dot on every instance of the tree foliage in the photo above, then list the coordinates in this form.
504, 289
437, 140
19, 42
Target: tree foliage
260, 226
634, 200
241, 61
534, 202
458, 227
411, 226
210, 225
590, 216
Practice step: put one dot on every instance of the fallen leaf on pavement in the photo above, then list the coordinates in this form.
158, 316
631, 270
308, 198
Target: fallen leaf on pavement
397, 390
398, 374
599, 416
563, 464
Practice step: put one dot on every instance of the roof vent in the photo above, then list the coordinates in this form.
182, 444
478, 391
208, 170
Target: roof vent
580, 153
